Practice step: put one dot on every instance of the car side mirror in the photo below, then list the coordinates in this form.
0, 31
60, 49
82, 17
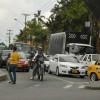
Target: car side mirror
88, 60
55, 60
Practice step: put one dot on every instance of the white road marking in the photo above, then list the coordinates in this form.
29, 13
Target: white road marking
70, 81
82, 86
37, 85
68, 86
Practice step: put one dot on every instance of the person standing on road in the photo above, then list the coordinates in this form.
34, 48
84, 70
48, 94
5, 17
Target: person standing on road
13, 60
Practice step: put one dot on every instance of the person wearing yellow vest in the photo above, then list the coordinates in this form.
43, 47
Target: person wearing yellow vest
14, 58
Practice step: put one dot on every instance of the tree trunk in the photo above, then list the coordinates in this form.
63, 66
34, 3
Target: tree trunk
98, 39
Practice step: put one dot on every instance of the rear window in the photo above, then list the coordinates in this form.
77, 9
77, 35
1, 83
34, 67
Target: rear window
95, 57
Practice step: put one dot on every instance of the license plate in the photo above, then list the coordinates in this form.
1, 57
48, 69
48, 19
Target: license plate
75, 71
19, 65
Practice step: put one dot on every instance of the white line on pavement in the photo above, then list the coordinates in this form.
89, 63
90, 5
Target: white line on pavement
70, 81
67, 86
82, 86
37, 85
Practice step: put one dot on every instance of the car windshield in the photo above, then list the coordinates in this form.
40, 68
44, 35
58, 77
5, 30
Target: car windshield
5, 53
22, 56
95, 57
68, 59
26, 49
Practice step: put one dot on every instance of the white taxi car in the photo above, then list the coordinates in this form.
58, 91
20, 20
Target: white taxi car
67, 65
89, 59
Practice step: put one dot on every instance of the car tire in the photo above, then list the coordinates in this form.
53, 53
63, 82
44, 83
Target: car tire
49, 71
27, 70
93, 77
57, 71
82, 76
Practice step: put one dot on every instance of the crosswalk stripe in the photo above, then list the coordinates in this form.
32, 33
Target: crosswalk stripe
81, 86
67, 86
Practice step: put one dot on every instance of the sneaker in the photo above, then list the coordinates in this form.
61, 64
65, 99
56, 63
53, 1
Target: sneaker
13, 82
31, 78
10, 82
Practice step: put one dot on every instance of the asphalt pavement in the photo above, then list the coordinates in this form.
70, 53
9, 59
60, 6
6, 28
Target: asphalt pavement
52, 88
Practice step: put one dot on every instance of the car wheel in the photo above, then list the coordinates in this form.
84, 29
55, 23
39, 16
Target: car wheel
27, 70
57, 71
49, 71
82, 76
93, 77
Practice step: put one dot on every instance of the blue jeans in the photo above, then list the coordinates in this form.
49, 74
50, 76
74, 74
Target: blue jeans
13, 70
36, 67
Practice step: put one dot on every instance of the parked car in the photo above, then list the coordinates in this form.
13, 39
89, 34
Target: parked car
46, 62
88, 59
4, 57
66, 64
23, 63
94, 71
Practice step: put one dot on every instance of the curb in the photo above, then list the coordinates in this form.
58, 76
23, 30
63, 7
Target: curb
3, 76
93, 85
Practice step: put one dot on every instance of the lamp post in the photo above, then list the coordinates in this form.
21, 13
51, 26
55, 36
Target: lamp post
89, 24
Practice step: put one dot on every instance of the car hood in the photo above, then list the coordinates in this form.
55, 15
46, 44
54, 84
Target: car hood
72, 64
21, 61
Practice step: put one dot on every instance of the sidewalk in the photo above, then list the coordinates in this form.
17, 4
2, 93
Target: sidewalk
3, 76
94, 85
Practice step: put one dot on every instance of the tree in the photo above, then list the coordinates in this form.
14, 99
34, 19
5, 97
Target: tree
38, 16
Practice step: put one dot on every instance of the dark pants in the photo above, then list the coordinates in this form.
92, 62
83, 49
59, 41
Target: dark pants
12, 68
36, 67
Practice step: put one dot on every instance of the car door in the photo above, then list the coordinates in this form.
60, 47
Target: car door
85, 60
89, 60
53, 63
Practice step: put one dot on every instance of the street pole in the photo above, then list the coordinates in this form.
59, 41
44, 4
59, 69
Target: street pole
9, 34
26, 15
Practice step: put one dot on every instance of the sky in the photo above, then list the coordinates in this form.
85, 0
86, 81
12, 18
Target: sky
13, 9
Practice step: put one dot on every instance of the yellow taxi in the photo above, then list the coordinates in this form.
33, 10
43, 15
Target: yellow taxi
94, 71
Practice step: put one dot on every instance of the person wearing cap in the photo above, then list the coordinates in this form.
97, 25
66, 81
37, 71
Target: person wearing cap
13, 60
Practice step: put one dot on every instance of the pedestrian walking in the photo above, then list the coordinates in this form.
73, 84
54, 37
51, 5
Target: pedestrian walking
13, 60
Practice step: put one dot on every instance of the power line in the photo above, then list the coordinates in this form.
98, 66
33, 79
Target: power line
48, 8
43, 7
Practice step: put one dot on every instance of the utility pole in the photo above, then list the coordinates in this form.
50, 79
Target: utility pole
26, 15
9, 34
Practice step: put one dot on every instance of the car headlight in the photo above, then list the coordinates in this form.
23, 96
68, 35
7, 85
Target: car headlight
63, 66
32, 59
83, 67
28, 59
26, 62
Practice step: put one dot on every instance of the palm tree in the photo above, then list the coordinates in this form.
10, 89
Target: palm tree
38, 16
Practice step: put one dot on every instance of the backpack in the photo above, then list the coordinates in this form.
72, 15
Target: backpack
40, 57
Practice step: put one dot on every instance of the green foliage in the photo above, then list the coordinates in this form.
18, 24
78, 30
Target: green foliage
68, 15
35, 32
